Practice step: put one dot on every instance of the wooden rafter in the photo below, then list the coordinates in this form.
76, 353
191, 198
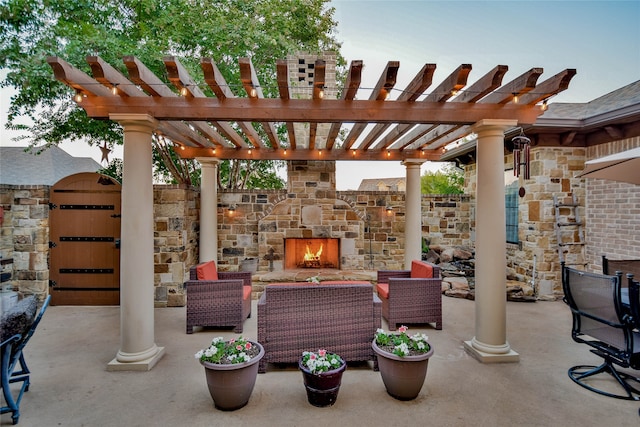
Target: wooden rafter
401, 128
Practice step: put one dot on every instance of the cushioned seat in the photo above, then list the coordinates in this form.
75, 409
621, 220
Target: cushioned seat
217, 298
411, 296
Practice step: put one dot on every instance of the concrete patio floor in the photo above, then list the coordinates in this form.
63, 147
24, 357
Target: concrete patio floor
70, 385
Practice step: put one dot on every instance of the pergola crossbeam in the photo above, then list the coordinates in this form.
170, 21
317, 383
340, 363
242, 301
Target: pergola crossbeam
386, 128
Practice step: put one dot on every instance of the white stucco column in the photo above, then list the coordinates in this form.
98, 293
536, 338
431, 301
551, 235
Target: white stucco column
208, 243
490, 342
138, 350
413, 213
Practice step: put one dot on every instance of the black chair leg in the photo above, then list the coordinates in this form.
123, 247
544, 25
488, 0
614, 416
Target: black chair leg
581, 372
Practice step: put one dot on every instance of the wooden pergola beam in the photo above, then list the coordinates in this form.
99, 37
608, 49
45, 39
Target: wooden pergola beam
307, 110
380, 93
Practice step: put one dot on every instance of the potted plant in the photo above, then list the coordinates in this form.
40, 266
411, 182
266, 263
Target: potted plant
231, 368
402, 361
322, 374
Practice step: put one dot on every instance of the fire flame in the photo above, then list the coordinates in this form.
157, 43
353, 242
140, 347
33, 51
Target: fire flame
310, 256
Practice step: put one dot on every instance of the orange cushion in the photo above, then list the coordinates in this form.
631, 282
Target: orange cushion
246, 292
383, 290
421, 270
207, 271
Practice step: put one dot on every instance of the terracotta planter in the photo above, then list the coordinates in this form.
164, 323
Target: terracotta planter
230, 386
403, 377
322, 389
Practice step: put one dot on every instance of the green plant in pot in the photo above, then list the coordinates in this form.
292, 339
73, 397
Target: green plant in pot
231, 368
322, 375
402, 360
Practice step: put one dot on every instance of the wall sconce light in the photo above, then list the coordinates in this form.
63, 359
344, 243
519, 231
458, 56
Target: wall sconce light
389, 210
232, 210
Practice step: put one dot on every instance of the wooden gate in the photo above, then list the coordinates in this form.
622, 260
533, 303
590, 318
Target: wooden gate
84, 231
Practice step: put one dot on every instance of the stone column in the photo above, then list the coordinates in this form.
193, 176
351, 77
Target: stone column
208, 242
138, 350
413, 215
490, 342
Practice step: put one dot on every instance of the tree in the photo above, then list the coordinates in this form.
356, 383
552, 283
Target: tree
225, 30
448, 180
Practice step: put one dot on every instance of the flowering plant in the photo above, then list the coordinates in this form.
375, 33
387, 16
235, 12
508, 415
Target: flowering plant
314, 279
228, 352
401, 344
321, 361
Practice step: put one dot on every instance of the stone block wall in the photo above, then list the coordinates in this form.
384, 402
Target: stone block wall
535, 259
24, 236
176, 211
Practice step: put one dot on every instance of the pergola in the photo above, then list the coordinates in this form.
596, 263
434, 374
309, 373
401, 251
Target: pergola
412, 127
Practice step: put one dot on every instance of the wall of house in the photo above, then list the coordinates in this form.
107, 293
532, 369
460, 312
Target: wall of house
535, 259
612, 212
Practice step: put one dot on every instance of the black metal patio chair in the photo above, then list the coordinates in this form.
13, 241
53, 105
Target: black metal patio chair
18, 326
600, 322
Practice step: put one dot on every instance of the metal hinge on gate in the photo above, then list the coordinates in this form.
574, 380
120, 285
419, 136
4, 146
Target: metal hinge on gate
52, 244
52, 205
53, 283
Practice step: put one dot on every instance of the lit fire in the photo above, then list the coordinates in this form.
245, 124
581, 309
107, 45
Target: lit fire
310, 256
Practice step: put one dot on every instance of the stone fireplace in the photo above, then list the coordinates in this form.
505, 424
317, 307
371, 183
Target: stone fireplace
312, 253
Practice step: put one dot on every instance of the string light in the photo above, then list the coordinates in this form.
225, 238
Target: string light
544, 105
388, 153
114, 89
253, 93
353, 152
78, 96
184, 91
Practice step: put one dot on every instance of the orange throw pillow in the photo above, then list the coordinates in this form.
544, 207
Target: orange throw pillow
207, 271
421, 270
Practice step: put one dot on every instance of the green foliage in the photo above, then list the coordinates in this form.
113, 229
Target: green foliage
448, 180
113, 169
402, 344
225, 30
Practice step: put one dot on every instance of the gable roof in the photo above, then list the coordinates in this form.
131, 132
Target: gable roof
18, 167
373, 184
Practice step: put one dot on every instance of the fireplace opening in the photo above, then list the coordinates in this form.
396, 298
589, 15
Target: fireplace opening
311, 253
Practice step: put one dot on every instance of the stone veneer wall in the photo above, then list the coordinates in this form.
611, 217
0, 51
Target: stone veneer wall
613, 212
176, 210
24, 236
553, 172
311, 207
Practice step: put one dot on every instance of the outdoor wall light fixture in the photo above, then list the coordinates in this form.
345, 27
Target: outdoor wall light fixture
389, 210
232, 210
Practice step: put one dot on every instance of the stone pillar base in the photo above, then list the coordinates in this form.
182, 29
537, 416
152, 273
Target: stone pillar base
138, 365
484, 357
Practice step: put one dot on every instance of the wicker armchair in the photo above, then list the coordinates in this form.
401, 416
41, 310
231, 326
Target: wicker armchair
217, 298
411, 296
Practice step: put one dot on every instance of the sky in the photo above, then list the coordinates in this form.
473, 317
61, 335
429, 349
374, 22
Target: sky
600, 39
